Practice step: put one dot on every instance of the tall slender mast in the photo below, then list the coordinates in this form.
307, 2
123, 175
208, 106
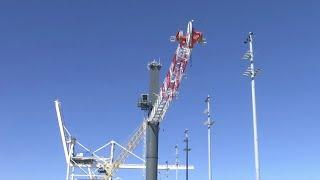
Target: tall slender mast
209, 123
187, 149
252, 72
152, 128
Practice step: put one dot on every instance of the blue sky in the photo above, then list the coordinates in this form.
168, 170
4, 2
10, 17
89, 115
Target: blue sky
92, 55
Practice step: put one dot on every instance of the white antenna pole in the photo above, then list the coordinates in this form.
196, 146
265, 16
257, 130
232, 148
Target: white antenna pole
209, 123
177, 160
251, 72
187, 149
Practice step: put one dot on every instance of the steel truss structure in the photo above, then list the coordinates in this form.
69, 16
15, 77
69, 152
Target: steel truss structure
83, 163
94, 166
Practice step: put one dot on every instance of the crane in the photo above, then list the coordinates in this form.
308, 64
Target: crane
93, 164
83, 162
168, 91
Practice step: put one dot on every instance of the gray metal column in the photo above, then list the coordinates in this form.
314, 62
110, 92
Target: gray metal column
152, 129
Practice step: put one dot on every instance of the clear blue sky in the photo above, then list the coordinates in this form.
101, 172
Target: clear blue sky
92, 55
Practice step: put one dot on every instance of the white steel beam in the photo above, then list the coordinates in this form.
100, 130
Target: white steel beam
62, 129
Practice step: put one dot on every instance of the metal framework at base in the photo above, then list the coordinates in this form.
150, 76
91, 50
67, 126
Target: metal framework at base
83, 163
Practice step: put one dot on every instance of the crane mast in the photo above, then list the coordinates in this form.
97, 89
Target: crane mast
168, 91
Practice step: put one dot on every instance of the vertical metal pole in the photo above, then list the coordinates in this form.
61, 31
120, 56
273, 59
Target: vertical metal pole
112, 152
167, 169
152, 151
152, 129
68, 172
209, 154
177, 160
209, 123
71, 152
254, 112
72, 175
112, 149
187, 149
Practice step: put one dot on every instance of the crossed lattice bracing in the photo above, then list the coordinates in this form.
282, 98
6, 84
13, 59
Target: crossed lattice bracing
94, 166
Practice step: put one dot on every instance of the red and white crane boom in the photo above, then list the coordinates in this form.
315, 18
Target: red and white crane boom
167, 91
